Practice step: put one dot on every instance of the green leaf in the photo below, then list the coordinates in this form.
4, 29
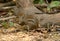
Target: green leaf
5, 25
54, 4
41, 1
48, 8
36, 1
11, 23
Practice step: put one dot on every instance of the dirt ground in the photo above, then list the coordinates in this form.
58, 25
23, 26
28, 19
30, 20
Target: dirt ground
30, 36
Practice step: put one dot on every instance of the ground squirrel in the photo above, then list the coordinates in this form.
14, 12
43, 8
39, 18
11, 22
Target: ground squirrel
25, 11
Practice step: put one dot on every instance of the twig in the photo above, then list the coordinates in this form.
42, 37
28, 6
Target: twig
47, 1
39, 5
5, 8
10, 17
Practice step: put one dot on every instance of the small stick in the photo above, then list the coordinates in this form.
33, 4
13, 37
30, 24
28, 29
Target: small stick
10, 17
